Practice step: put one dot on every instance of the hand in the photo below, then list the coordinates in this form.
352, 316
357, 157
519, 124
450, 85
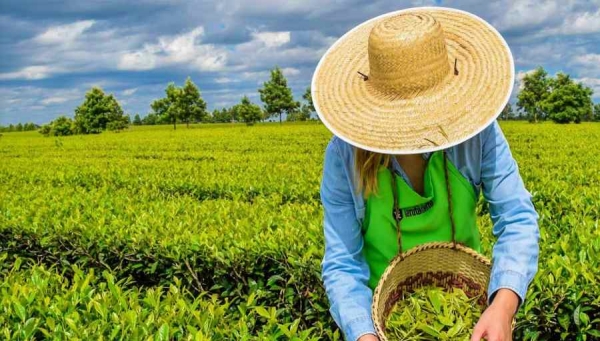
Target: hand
495, 323
368, 337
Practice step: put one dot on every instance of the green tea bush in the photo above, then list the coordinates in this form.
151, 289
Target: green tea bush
233, 212
431, 313
39, 303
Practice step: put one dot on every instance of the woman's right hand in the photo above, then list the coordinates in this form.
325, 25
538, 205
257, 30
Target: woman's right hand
368, 337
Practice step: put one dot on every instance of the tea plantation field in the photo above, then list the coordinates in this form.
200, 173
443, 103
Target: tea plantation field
214, 233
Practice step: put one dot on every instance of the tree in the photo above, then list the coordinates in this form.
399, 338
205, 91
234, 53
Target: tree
308, 98
248, 111
302, 114
191, 105
567, 101
118, 125
96, 111
19, 127
276, 95
168, 108
61, 126
597, 112
150, 119
222, 116
46, 129
137, 121
507, 113
535, 90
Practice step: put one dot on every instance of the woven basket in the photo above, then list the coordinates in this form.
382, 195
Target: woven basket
445, 265
441, 264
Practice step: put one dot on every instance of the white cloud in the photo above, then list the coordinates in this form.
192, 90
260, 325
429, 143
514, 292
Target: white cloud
590, 59
64, 33
184, 49
29, 73
129, 92
593, 83
54, 100
525, 13
290, 71
272, 39
581, 23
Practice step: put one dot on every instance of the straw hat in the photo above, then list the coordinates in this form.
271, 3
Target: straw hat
413, 81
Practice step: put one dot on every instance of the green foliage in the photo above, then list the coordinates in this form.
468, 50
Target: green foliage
597, 112
308, 98
119, 124
61, 126
224, 115
180, 104
19, 127
247, 111
299, 115
557, 98
96, 112
193, 107
433, 314
151, 119
507, 113
46, 129
535, 90
169, 106
39, 303
197, 210
277, 96
567, 101
137, 121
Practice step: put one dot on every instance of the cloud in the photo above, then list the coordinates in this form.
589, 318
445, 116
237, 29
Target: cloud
593, 83
30, 73
272, 39
53, 100
179, 49
523, 14
129, 92
229, 46
64, 33
591, 59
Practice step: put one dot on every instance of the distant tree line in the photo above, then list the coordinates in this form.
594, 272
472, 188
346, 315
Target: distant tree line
19, 127
559, 99
181, 105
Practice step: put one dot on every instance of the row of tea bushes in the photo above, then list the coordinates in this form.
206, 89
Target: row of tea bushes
39, 303
234, 212
221, 246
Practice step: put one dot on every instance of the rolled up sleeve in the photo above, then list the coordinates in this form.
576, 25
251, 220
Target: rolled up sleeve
344, 269
515, 253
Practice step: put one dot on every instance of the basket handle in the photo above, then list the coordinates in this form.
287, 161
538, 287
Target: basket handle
397, 211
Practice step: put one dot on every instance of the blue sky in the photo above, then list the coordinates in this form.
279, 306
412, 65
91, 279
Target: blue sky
51, 52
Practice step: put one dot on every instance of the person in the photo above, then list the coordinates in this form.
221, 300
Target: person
414, 94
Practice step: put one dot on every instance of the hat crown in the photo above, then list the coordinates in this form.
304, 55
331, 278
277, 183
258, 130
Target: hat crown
407, 54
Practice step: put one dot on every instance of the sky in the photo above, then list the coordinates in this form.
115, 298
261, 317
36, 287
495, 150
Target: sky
52, 52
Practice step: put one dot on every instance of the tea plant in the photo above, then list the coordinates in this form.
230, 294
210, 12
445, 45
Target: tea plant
430, 313
232, 214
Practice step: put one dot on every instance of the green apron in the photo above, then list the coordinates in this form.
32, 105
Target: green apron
424, 218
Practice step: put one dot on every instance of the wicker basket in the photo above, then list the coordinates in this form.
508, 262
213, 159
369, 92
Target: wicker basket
444, 265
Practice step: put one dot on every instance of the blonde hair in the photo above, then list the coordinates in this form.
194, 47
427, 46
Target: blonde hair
366, 165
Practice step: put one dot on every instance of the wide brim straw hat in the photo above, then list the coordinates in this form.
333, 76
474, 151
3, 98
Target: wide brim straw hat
413, 81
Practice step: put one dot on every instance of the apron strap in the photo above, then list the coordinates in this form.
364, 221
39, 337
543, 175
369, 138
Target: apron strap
397, 211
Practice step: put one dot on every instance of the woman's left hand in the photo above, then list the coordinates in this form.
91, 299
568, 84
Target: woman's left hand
495, 324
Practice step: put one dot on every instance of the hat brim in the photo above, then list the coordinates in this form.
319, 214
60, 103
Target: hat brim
443, 116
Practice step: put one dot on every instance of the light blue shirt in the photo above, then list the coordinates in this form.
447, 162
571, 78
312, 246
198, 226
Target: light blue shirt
486, 161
